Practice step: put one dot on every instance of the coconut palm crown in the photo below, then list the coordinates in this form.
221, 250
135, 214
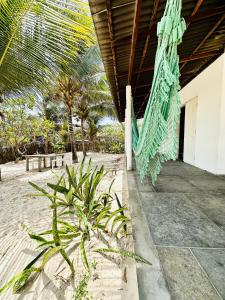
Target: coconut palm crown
84, 91
39, 38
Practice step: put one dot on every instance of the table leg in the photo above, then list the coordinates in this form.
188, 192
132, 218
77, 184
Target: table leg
27, 164
44, 162
55, 162
51, 162
39, 164
62, 160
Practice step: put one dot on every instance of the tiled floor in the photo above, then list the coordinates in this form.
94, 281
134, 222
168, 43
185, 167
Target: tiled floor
186, 216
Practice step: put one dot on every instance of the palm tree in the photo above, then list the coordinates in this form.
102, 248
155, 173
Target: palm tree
66, 90
84, 91
92, 101
95, 96
93, 127
38, 39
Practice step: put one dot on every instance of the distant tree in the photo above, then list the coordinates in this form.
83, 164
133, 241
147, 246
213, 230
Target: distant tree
18, 127
111, 138
93, 127
85, 91
42, 127
65, 91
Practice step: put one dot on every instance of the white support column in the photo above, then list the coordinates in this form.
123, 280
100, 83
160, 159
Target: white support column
125, 132
128, 130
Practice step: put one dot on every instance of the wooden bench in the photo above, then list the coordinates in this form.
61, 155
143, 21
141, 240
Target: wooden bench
43, 158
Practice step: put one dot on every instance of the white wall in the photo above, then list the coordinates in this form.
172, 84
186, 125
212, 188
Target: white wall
191, 108
209, 89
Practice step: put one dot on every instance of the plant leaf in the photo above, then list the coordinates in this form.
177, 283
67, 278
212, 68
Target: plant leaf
83, 254
58, 188
49, 254
114, 214
124, 253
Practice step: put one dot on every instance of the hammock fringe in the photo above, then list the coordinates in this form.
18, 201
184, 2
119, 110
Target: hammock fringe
157, 140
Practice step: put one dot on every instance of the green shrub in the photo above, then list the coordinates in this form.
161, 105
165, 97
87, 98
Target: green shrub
79, 214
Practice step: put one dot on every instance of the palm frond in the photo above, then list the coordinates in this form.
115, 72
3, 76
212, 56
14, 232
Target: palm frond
38, 38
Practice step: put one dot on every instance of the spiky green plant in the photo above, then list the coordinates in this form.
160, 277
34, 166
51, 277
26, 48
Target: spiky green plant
80, 213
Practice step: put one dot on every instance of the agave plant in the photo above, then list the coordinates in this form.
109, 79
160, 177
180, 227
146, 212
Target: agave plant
80, 213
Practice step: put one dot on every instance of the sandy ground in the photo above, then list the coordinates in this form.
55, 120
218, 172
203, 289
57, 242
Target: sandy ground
16, 249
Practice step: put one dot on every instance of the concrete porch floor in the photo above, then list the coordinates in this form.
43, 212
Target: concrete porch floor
185, 215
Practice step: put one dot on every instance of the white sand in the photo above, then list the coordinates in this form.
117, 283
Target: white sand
16, 249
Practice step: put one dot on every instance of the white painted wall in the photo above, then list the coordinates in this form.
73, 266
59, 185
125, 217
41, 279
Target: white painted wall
208, 88
190, 130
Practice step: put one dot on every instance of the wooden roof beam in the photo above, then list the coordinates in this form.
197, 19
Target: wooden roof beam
137, 13
205, 39
196, 8
182, 60
206, 14
111, 37
190, 19
147, 41
113, 7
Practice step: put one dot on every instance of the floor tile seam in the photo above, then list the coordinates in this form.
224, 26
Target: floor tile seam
185, 192
175, 192
189, 200
206, 274
199, 189
189, 182
189, 247
194, 175
149, 229
211, 221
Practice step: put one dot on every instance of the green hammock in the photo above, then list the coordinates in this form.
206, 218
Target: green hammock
157, 141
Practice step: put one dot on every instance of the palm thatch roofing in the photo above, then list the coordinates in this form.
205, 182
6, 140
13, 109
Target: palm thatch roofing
126, 31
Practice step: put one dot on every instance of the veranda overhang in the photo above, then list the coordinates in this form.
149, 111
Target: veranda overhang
126, 32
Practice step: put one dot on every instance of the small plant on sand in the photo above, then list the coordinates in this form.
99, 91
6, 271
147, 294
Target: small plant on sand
81, 291
81, 213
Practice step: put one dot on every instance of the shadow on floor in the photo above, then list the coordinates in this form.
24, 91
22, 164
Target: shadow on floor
185, 213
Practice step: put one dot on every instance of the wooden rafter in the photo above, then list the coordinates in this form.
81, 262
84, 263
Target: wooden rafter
182, 60
147, 41
205, 38
137, 13
111, 36
215, 11
113, 7
196, 8
218, 10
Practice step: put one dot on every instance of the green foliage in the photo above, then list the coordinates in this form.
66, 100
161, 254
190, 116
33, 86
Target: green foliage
124, 253
18, 126
81, 290
19, 280
38, 39
85, 91
59, 147
80, 213
111, 138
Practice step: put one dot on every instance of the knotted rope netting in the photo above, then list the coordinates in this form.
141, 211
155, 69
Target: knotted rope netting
157, 140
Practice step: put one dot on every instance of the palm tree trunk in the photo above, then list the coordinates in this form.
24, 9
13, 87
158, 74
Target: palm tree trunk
71, 136
82, 134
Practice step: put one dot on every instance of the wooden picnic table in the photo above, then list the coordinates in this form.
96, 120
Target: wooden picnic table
43, 157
